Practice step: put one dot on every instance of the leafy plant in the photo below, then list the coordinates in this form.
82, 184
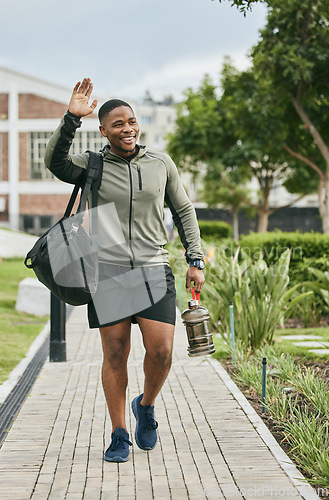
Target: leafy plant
285, 367
280, 407
315, 389
250, 375
309, 438
321, 285
309, 311
305, 427
259, 294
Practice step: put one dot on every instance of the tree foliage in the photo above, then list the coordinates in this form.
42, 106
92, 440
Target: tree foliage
199, 126
244, 5
238, 136
293, 55
270, 122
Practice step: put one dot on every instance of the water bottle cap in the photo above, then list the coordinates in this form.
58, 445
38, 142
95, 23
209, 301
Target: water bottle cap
193, 304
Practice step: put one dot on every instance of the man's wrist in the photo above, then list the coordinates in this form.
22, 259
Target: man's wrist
73, 115
198, 263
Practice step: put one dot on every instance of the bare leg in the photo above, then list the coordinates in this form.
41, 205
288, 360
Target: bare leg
116, 348
158, 341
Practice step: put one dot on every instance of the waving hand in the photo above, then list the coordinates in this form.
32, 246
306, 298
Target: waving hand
79, 103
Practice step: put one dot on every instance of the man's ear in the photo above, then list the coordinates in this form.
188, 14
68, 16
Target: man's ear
102, 130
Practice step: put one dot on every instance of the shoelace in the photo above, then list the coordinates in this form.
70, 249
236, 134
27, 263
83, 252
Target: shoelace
151, 423
118, 441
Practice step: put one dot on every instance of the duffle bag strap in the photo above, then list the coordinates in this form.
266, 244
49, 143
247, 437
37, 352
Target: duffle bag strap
94, 170
93, 182
93, 173
72, 199
39, 242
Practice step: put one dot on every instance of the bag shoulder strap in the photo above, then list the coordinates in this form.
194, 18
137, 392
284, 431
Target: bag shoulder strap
95, 162
93, 177
72, 199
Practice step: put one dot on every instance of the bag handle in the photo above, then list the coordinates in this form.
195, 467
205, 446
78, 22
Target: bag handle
72, 199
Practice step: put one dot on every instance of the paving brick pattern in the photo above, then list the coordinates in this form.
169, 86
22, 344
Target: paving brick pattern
208, 448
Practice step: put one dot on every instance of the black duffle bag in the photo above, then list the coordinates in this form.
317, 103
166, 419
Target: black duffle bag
65, 257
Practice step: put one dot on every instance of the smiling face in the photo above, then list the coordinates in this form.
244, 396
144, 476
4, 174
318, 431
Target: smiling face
121, 129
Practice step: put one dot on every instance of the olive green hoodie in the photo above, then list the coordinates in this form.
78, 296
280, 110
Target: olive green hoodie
131, 229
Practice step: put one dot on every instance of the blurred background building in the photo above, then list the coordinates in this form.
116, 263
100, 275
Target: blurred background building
31, 198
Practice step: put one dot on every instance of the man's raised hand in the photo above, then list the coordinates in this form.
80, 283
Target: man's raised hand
79, 103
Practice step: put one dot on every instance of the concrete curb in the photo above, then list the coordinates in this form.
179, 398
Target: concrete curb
305, 489
9, 384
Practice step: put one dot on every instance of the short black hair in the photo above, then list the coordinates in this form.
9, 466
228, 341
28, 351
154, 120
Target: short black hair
109, 105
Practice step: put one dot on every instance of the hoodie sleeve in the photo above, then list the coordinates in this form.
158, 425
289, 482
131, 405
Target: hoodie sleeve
66, 167
183, 213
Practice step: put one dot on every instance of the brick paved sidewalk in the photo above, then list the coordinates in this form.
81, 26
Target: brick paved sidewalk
208, 446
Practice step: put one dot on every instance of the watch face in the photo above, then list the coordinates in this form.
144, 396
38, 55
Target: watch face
198, 263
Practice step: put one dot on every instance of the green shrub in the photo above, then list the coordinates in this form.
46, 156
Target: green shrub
273, 244
215, 229
308, 250
259, 294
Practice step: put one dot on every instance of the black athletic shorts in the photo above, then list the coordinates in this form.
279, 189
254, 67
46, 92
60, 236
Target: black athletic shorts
148, 292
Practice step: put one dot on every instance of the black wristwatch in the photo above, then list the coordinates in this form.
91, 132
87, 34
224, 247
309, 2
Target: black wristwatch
197, 263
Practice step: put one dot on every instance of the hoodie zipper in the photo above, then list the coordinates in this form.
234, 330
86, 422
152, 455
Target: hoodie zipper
130, 214
132, 258
139, 178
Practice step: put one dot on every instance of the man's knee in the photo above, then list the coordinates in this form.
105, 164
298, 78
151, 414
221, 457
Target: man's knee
161, 354
116, 353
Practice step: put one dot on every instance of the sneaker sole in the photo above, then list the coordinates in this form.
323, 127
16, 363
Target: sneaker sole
116, 459
145, 448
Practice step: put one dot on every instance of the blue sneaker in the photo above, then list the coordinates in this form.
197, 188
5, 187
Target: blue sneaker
118, 451
145, 434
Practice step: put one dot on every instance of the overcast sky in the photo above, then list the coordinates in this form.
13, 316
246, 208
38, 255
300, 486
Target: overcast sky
126, 46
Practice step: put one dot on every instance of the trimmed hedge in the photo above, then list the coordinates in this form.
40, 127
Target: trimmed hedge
215, 229
304, 246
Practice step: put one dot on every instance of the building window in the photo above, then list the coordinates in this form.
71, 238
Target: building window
83, 141
92, 141
36, 224
147, 119
39, 141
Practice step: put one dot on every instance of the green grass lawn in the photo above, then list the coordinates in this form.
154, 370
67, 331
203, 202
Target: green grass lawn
17, 330
286, 345
281, 339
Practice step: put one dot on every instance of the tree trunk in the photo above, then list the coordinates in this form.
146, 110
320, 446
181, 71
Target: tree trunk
262, 220
324, 201
264, 208
323, 148
235, 214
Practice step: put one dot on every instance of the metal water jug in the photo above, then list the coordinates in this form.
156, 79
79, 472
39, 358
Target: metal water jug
195, 318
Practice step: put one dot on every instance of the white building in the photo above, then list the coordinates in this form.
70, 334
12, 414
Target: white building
30, 110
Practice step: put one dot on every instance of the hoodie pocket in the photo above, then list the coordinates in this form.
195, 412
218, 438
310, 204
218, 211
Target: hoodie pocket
146, 181
140, 182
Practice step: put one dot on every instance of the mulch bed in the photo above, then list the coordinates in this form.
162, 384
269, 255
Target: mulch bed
322, 368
